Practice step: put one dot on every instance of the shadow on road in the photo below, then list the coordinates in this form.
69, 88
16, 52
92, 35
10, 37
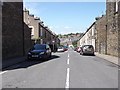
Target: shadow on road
28, 63
88, 55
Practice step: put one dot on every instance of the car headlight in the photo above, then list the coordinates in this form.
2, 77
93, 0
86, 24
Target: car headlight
42, 53
29, 53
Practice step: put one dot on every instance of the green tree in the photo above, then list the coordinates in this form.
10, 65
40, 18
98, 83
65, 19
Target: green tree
74, 43
61, 45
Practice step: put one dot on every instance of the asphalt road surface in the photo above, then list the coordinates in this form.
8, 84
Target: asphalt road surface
64, 70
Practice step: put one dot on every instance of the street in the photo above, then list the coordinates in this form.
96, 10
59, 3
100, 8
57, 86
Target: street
64, 70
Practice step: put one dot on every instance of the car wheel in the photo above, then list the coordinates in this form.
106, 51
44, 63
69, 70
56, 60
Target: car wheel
82, 53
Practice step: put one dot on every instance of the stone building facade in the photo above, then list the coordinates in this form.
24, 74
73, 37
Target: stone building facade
48, 37
88, 37
107, 30
14, 36
33, 23
41, 34
119, 30
112, 28
101, 38
96, 35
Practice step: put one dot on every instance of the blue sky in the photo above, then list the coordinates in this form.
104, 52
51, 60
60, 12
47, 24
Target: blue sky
67, 17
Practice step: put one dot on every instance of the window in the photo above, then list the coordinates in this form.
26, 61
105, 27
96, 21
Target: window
32, 30
45, 34
41, 31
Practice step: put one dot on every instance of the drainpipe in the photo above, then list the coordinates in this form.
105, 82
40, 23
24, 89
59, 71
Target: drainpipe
106, 41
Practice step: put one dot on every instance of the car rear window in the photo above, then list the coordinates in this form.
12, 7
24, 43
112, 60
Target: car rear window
88, 47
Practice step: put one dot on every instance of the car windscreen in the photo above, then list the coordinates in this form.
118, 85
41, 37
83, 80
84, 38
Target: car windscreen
39, 47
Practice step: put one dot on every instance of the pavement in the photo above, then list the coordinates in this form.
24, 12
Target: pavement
63, 70
10, 62
109, 58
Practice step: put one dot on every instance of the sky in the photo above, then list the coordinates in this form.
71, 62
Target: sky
67, 17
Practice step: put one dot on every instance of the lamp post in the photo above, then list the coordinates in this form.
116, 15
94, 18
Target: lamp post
53, 45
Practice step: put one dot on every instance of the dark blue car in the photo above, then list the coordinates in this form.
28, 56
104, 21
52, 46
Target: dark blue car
40, 52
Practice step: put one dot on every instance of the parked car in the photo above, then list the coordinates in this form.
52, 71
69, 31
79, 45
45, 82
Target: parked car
78, 49
75, 49
87, 49
65, 48
60, 49
40, 51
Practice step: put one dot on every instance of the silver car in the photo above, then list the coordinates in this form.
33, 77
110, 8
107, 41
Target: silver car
60, 49
87, 49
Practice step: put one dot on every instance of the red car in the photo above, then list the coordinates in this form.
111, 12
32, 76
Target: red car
65, 49
76, 49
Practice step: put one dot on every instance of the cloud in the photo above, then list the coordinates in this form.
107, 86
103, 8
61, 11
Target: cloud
68, 27
65, 29
51, 27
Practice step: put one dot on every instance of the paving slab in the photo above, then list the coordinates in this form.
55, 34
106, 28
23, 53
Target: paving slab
110, 58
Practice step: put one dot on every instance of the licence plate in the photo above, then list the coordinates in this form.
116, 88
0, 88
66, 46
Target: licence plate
34, 55
89, 50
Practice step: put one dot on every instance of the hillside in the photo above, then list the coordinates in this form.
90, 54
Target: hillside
68, 39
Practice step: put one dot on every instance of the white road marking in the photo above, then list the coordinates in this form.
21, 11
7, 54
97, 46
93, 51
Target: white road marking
68, 55
67, 78
3, 72
68, 61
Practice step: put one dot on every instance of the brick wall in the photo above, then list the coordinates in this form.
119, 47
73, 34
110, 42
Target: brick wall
12, 30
